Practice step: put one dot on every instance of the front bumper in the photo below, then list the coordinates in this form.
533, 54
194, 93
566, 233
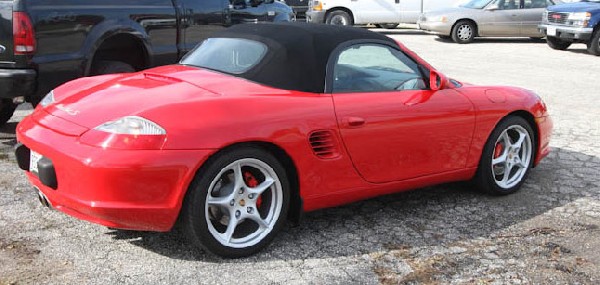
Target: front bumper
17, 82
315, 17
435, 28
565, 32
127, 189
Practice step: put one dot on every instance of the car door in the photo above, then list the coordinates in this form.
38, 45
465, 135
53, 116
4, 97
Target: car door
533, 11
201, 18
392, 125
409, 10
500, 18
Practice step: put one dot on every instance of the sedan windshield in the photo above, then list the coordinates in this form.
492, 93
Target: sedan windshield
229, 55
476, 4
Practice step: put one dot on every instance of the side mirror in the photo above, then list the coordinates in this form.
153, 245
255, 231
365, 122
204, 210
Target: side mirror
437, 81
492, 7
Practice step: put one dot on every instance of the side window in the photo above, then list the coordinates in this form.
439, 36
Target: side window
508, 4
372, 68
533, 4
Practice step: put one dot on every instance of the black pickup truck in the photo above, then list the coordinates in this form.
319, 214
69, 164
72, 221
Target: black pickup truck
44, 43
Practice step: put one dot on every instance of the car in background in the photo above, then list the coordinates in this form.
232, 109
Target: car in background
571, 23
486, 18
383, 13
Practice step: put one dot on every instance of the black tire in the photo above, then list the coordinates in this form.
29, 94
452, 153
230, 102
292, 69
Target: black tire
487, 175
464, 32
204, 225
110, 67
387, 26
7, 108
593, 46
339, 17
557, 44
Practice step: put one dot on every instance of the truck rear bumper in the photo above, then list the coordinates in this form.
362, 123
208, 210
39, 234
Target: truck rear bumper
17, 82
315, 17
563, 32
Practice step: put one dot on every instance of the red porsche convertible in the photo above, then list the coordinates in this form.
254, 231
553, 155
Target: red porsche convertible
262, 122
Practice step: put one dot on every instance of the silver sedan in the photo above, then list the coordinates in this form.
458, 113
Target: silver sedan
486, 18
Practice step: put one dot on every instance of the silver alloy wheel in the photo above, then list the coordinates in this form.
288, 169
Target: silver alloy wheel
339, 20
238, 215
464, 32
511, 156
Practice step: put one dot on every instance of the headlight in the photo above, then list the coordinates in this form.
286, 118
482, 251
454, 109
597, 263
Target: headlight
131, 132
48, 99
579, 19
132, 125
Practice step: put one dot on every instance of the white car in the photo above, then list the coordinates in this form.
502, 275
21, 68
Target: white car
385, 13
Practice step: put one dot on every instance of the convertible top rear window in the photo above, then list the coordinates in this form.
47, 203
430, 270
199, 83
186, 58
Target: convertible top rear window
229, 55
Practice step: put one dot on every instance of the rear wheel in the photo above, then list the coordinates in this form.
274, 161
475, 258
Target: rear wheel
593, 46
110, 67
558, 44
340, 18
507, 157
7, 108
463, 32
238, 203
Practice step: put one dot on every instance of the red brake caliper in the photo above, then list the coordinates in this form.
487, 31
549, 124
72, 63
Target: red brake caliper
498, 150
252, 182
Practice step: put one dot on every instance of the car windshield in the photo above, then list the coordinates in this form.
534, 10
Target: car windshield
476, 4
229, 55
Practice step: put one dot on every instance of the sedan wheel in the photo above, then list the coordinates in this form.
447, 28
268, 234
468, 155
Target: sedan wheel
463, 32
507, 157
238, 203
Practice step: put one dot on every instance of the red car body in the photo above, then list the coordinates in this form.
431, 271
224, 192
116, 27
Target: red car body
375, 143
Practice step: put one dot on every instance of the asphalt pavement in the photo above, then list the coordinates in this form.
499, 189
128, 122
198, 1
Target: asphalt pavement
547, 233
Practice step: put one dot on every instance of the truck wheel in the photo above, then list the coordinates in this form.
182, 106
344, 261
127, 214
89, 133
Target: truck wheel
339, 18
593, 45
463, 32
558, 44
7, 108
111, 66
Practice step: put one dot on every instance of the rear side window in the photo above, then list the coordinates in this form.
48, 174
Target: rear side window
234, 56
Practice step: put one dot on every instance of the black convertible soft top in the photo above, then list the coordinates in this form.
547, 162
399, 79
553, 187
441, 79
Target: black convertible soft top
297, 52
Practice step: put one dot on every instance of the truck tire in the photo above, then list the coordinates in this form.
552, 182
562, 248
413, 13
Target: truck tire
7, 108
340, 18
558, 44
593, 45
111, 66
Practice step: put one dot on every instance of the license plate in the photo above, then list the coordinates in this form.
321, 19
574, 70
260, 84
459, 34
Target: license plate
551, 31
34, 157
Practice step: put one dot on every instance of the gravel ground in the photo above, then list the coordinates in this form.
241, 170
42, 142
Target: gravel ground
548, 233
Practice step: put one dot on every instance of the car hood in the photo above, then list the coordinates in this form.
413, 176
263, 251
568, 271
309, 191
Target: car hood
92, 101
576, 7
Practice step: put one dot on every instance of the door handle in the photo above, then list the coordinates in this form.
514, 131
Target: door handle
355, 121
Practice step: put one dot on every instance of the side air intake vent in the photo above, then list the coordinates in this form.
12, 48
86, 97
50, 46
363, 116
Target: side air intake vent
324, 144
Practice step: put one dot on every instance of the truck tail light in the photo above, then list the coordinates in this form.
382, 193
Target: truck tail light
23, 34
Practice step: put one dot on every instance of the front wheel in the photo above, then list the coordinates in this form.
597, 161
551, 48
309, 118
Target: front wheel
507, 157
593, 46
340, 18
7, 108
463, 32
558, 44
237, 203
